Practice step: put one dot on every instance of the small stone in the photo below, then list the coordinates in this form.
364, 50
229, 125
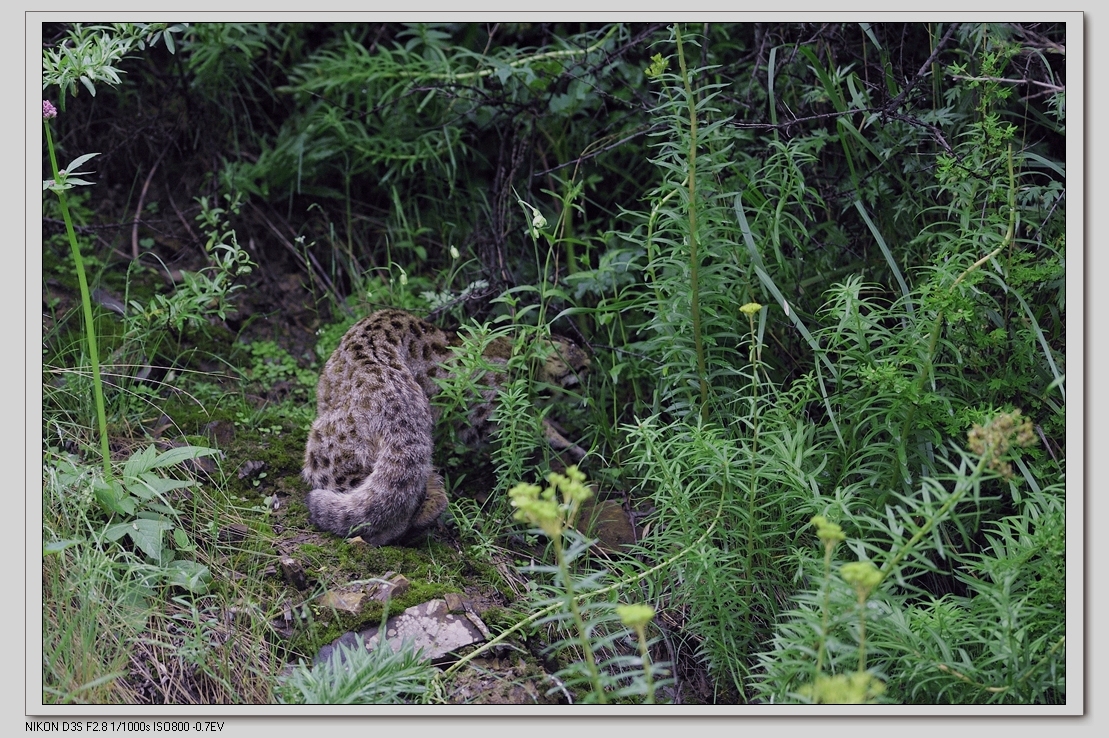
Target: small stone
349, 602
293, 572
383, 590
350, 640
220, 433
233, 533
251, 468
607, 521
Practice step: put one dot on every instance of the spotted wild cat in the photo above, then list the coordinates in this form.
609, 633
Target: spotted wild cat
368, 456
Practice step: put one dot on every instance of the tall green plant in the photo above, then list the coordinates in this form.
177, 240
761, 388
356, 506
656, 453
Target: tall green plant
589, 622
89, 54
694, 279
63, 180
874, 636
719, 451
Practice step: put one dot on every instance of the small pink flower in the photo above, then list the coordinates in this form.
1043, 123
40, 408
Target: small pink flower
48, 109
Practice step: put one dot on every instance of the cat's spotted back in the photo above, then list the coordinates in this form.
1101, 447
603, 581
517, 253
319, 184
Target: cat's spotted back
368, 456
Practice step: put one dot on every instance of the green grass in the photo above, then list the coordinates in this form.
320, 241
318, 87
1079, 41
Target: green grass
808, 292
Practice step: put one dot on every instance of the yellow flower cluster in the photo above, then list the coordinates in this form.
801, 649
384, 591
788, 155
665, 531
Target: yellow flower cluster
828, 532
542, 508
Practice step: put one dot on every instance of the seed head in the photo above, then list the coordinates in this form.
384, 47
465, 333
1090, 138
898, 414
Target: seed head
994, 439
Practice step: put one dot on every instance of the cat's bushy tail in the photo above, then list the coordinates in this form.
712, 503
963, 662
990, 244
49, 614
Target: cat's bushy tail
399, 498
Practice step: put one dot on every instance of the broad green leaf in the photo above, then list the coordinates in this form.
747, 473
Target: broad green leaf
182, 453
157, 509
181, 539
58, 546
79, 161
113, 497
117, 531
190, 575
139, 462
147, 535
159, 485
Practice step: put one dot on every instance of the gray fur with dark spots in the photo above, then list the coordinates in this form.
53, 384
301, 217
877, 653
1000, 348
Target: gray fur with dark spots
369, 451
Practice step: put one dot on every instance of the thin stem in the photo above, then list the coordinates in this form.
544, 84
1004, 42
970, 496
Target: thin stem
695, 302
645, 657
822, 646
862, 633
86, 305
575, 612
752, 485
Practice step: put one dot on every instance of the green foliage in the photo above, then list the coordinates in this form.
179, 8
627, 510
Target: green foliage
270, 364
89, 54
589, 629
67, 178
493, 367
357, 142
881, 365
139, 507
96, 606
517, 433
110, 549
354, 675
204, 293
934, 648
807, 261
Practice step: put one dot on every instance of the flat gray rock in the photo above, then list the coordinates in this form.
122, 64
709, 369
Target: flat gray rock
432, 627
437, 627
